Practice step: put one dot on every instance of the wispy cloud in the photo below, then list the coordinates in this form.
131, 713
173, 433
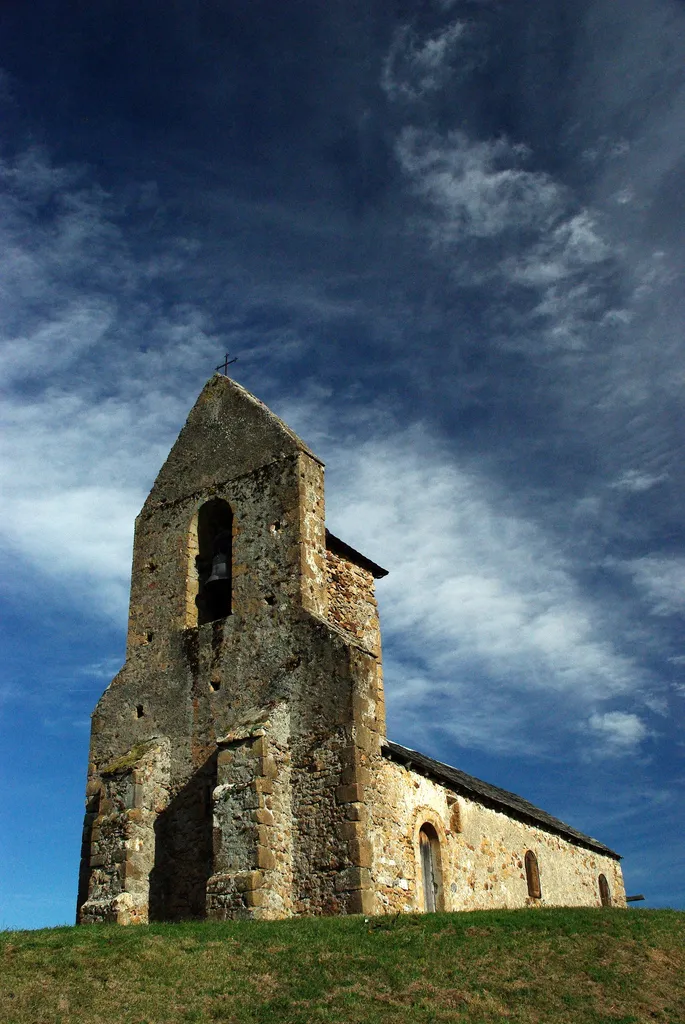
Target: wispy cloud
635, 481
477, 596
87, 416
662, 582
416, 65
476, 192
478, 187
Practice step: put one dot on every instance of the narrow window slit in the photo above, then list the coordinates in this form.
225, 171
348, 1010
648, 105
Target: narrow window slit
533, 875
604, 891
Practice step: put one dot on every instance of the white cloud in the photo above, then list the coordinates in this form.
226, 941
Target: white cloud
575, 245
637, 481
662, 581
55, 344
471, 580
74, 306
618, 732
83, 533
478, 189
482, 617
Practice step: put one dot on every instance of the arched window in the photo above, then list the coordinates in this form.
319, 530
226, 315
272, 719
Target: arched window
214, 560
429, 852
533, 875
604, 891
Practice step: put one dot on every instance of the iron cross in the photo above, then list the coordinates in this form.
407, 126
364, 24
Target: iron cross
226, 363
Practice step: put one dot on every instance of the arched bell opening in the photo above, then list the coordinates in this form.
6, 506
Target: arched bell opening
214, 561
431, 868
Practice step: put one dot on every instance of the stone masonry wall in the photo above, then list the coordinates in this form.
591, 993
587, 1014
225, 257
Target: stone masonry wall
481, 852
352, 602
193, 683
336, 729
119, 835
253, 824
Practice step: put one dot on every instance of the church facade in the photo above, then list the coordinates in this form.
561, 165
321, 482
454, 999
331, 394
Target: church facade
239, 764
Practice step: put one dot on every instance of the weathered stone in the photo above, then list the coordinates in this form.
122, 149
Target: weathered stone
237, 766
366, 739
347, 830
265, 858
349, 794
352, 878
361, 852
263, 816
360, 901
355, 774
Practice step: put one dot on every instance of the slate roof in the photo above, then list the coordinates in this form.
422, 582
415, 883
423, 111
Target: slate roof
492, 796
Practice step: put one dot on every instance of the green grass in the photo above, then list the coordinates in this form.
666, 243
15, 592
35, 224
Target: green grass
548, 966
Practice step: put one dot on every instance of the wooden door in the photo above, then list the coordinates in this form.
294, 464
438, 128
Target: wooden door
430, 885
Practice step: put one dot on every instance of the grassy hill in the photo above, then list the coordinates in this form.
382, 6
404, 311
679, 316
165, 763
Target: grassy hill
550, 966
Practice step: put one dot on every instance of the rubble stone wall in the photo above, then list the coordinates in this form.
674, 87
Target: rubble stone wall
335, 732
193, 684
482, 852
119, 834
352, 601
253, 873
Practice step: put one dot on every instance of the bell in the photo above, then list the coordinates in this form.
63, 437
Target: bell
221, 569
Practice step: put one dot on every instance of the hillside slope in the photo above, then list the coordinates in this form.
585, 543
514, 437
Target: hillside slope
546, 965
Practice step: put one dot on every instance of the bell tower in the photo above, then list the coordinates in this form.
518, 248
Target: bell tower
228, 756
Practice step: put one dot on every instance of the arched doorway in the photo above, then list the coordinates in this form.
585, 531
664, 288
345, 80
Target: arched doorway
429, 852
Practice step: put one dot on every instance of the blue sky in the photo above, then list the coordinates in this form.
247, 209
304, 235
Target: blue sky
445, 241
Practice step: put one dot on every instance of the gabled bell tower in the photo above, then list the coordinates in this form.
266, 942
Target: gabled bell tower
229, 756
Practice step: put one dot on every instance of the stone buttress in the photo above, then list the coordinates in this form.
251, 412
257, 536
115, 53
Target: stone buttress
229, 757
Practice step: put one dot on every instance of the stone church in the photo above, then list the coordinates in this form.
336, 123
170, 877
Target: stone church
239, 764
